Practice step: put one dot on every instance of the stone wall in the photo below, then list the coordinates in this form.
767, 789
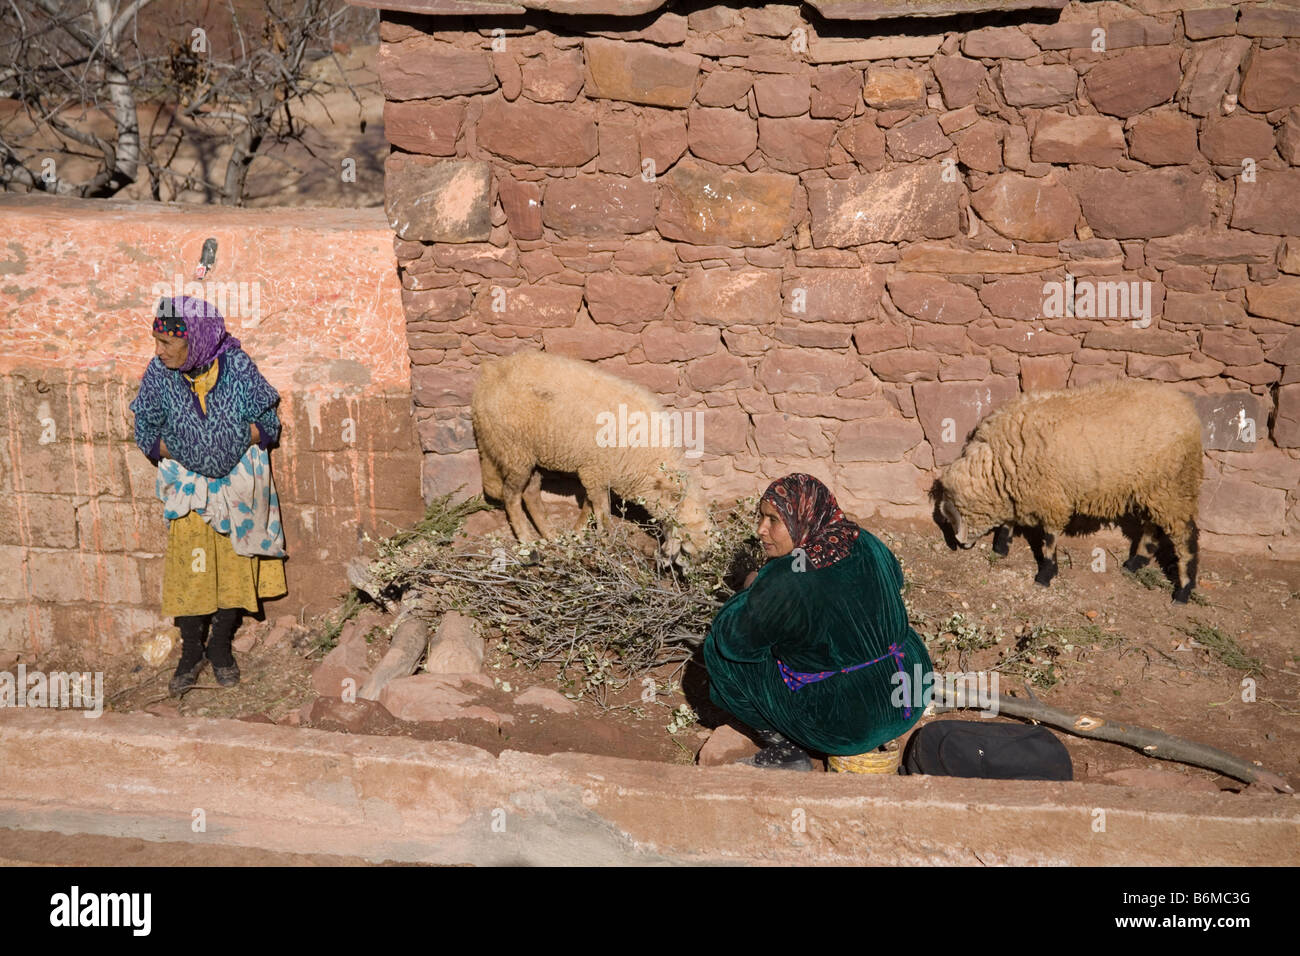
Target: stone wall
81, 533
835, 238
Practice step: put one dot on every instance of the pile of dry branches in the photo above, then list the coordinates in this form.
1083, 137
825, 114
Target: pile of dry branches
598, 604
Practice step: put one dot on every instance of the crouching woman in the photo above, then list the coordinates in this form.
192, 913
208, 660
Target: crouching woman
206, 417
810, 654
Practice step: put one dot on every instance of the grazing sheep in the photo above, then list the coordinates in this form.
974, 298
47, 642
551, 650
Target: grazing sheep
1103, 451
533, 410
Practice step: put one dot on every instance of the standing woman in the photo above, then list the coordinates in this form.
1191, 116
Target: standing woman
809, 655
206, 417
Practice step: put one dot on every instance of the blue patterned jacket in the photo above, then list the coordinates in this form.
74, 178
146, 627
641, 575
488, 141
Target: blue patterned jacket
167, 410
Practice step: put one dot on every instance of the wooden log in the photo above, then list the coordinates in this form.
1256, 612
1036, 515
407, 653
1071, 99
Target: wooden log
410, 641
1151, 743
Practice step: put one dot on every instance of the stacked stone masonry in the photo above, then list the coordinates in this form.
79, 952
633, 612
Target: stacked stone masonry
844, 243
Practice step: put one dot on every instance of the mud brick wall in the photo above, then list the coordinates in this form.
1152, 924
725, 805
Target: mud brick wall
833, 237
81, 532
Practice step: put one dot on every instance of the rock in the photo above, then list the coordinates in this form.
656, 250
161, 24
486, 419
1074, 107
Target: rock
724, 88
1230, 139
662, 137
626, 300
1129, 83
833, 295
1232, 346
937, 257
959, 78
1018, 207
1286, 426
888, 89
1091, 140
1234, 506
919, 139
164, 708
245, 639
996, 43
911, 202
881, 439
522, 203
434, 200
799, 370
1271, 204
347, 661
282, 629
795, 145
1043, 373
1278, 300
431, 697
1223, 415
362, 717
422, 67
835, 92
534, 306
546, 699
456, 647
949, 411
593, 207
1272, 81
723, 297
1037, 85
722, 136
553, 77
725, 745
865, 142
782, 95
784, 435
1259, 22
930, 299
707, 205
1143, 204
1202, 310
640, 73
537, 134
418, 126
1212, 69
979, 146
1211, 248
873, 48
1204, 24
1163, 138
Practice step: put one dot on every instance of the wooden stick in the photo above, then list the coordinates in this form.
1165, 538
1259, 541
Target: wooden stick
1151, 743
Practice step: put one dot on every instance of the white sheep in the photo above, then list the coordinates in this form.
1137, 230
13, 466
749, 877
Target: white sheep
533, 410
1104, 451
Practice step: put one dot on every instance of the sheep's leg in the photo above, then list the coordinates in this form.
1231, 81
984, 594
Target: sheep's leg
533, 499
1188, 557
512, 491
584, 513
1136, 560
598, 496
1043, 543
1002, 539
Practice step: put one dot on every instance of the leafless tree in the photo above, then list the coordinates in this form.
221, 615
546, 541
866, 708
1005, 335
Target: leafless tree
237, 80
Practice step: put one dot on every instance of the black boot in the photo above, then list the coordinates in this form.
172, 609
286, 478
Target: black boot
193, 629
779, 753
224, 668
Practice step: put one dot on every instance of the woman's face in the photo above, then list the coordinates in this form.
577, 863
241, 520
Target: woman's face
171, 350
772, 532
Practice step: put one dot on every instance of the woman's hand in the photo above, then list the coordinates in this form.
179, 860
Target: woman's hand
162, 449
749, 579
256, 434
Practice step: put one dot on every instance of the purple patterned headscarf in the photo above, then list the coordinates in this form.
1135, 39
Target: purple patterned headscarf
200, 324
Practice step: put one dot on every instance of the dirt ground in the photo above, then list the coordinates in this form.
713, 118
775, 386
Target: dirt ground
1101, 642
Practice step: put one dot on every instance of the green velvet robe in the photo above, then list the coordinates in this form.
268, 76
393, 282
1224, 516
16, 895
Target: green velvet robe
819, 620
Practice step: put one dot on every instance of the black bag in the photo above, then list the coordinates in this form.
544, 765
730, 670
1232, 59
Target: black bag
978, 748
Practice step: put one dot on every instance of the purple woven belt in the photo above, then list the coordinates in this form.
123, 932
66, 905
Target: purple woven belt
796, 680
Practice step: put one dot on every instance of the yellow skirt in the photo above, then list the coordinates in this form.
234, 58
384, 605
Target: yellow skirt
202, 572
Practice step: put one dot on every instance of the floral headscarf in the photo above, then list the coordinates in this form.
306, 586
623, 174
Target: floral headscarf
813, 518
200, 324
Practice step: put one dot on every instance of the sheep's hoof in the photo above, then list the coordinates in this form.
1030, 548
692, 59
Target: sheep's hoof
1135, 564
1045, 576
1182, 594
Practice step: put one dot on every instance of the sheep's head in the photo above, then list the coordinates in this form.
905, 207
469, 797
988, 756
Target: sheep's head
685, 513
970, 502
